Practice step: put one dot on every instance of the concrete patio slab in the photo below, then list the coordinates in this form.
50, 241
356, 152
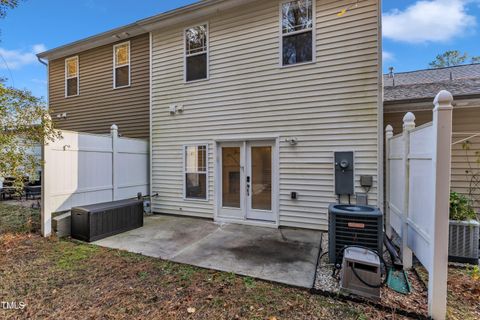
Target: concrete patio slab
282, 255
161, 236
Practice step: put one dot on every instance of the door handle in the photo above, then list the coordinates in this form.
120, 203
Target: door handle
248, 190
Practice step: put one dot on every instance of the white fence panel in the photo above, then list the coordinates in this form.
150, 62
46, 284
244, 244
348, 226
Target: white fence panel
132, 175
81, 169
421, 194
418, 186
396, 181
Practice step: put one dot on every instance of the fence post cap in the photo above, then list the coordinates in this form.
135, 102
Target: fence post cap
409, 118
389, 130
443, 97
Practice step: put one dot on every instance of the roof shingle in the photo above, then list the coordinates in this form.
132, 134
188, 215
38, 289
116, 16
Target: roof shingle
459, 80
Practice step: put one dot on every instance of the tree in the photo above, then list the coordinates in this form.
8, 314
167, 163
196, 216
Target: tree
24, 123
449, 59
5, 5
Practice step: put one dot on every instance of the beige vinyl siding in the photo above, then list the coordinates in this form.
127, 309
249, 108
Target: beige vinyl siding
328, 105
99, 105
465, 120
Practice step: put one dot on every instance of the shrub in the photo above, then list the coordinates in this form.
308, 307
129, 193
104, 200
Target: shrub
461, 208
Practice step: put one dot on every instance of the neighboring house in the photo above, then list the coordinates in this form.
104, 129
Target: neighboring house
249, 101
93, 84
414, 91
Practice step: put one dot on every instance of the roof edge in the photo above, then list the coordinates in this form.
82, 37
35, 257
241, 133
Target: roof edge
433, 69
168, 18
456, 97
94, 41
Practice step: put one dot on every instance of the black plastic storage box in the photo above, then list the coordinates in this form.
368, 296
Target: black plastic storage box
98, 221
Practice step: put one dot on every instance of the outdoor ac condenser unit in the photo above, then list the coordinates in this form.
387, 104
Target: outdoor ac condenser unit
463, 241
353, 225
361, 264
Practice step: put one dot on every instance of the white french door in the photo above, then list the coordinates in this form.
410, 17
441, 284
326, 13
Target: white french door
232, 180
246, 190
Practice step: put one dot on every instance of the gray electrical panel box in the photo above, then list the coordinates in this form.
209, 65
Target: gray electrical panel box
344, 173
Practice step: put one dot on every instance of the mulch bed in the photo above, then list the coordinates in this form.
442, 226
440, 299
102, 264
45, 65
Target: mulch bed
463, 297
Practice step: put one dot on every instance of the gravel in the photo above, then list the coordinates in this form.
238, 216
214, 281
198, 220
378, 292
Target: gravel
324, 280
413, 302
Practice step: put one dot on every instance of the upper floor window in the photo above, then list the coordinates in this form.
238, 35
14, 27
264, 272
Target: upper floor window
196, 53
121, 65
71, 77
297, 32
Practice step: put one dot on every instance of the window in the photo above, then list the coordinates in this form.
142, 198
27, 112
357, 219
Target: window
71, 77
196, 53
195, 167
297, 32
121, 65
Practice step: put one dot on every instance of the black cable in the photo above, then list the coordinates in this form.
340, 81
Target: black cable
323, 254
320, 255
382, 261
366, 283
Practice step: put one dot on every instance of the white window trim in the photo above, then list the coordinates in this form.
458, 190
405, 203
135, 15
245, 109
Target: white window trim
67, 77
184, 171
313, 30
115, 65
185, 55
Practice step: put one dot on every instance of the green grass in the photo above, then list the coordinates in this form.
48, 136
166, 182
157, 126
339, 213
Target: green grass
16, 219
74, 257
143, 275
47, 273
249, 282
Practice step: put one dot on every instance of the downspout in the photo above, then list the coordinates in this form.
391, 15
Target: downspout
42, 62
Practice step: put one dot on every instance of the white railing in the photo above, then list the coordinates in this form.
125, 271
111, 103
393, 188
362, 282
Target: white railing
82, 169
418, 170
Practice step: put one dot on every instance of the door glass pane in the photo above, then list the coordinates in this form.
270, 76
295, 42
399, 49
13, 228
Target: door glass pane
231, 177
261, 178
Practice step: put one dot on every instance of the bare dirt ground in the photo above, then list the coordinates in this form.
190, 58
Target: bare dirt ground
63, 279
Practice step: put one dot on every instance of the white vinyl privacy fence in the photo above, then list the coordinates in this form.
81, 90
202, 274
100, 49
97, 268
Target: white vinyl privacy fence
82, 169
418, 188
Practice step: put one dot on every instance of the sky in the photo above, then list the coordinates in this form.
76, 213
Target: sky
414, 31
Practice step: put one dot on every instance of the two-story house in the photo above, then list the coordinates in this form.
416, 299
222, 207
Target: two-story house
245, 103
